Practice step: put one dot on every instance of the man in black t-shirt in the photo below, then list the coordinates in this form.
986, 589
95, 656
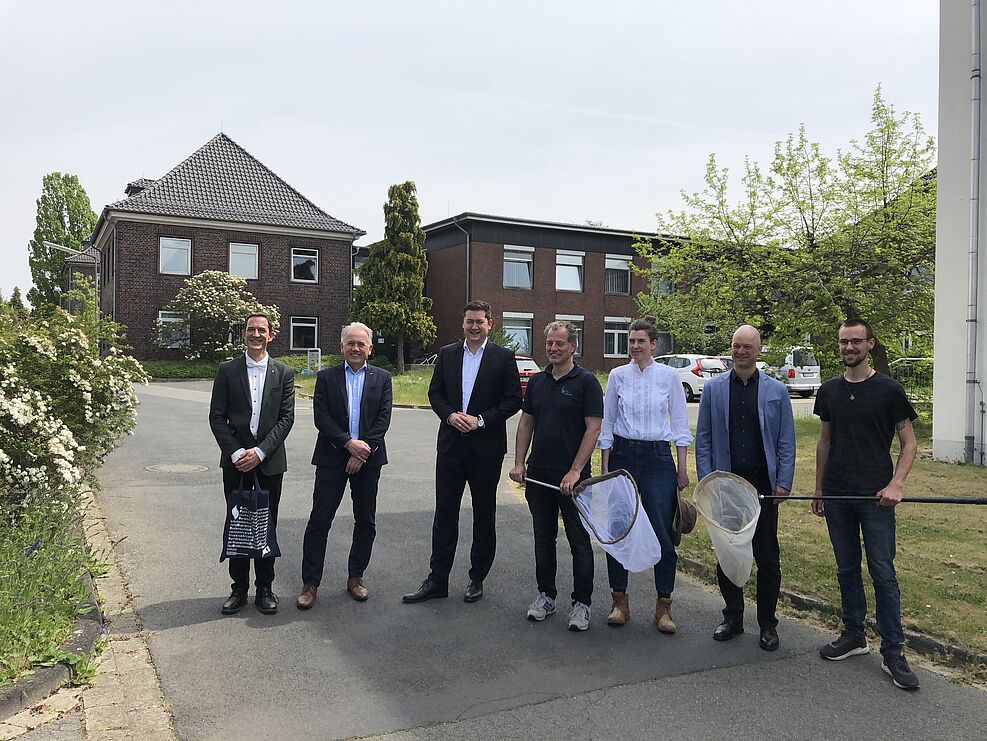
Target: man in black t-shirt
860, 411
561, 419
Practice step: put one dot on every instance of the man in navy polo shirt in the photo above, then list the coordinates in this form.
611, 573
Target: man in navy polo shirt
560, 422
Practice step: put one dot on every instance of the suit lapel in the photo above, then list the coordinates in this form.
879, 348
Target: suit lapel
455, 375
241, 374
364, 399
762, 402
341, 385
724, 392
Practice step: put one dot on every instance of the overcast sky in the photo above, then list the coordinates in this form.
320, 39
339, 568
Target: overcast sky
563, 111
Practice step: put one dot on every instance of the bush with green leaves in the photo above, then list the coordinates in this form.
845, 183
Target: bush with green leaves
213, 305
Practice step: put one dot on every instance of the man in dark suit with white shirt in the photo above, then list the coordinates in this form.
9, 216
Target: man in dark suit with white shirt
352, 406
251, 413
475, 389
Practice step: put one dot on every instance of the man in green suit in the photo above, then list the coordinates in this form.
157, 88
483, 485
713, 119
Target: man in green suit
251, 413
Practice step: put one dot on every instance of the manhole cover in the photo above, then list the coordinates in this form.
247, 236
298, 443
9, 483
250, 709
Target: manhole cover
175, 468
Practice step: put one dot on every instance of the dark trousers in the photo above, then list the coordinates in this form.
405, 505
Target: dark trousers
767, 556
846, 522
263, 567
330, 484
652, 466
453, 470
545, 505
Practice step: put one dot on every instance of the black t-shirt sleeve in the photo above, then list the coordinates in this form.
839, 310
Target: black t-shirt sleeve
903, 408
592, 397
821, 407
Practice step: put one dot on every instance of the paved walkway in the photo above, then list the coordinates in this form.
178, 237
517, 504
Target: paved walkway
442, 669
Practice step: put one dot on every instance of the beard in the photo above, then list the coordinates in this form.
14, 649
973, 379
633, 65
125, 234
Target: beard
853, 363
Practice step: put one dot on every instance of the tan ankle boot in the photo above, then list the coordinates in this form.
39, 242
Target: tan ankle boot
620, 613
663, 615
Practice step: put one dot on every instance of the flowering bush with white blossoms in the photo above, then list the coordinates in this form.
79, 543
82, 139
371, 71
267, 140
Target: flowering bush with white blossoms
214, 305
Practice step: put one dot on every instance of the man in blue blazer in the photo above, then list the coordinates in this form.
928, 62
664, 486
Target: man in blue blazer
251, 413
352, 405
746, 427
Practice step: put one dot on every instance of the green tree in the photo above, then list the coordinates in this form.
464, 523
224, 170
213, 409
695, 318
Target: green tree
65, 217
500, 337
213, 306
391, 296
16, 303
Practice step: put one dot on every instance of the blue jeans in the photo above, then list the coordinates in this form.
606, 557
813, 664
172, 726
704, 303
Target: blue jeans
651, 465
846, 521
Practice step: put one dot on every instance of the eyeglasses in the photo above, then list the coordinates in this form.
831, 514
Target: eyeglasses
855, 341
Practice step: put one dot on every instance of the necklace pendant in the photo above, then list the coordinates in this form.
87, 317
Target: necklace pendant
852, 397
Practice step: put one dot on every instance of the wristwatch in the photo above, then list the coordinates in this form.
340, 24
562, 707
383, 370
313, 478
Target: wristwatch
479, 421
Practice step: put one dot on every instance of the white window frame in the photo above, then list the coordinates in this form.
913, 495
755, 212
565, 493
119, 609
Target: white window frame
303, 321
256, 247
615, 263
172, 317
569, 258
308, 252
580, 323
521, 316
624, 321
520, 254
188, 261
356, 278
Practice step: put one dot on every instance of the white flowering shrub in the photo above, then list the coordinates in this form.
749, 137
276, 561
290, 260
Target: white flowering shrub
214, 305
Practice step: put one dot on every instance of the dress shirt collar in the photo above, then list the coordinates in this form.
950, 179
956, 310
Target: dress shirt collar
466, 347
349, 368
251, 363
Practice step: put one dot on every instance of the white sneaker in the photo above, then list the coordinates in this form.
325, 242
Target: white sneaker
579, 617
541, 608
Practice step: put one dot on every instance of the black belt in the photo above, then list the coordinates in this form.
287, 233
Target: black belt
641, 444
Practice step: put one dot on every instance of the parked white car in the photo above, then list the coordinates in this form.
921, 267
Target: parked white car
800, 372
694, 370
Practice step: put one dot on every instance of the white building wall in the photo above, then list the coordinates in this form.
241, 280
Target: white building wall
953, 235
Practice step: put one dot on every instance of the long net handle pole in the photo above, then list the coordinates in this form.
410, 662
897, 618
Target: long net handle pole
869, 498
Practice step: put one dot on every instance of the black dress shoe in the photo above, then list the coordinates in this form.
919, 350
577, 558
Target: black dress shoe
727, 630
474, 592
266, 601
236, 600
428, 590
769, 639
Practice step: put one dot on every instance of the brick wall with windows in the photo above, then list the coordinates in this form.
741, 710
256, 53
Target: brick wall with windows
500, 271
139, 290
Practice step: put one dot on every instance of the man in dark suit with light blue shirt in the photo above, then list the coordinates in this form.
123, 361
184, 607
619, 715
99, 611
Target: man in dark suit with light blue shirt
475, 389
251, 413
746, 427
352, 406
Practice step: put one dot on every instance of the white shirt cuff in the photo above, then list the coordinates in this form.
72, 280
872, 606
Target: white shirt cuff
237, 453
260, 454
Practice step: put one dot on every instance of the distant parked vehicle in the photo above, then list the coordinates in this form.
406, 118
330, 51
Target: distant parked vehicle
694, 370
526, 368
800, 372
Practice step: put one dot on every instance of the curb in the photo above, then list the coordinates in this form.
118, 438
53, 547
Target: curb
944, 653
45, 680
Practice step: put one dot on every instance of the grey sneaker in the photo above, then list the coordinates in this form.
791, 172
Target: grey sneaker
541, 608
579, 617
844, 647
895, 666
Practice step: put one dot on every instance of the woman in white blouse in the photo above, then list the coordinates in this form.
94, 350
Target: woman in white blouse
644, 413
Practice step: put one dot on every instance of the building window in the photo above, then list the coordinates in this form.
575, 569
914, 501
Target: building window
568, 271
517, 326
304, 332
358, 260
174, 330
517, 266
576, 321
174, 256
618, 275
243, 260
615, 336
304, 265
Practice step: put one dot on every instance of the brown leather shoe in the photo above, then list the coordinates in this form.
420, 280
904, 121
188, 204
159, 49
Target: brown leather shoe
620, 613
663, 615
354, 585
307, 598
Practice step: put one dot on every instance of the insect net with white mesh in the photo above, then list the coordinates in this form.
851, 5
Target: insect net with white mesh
610, 508
730, 506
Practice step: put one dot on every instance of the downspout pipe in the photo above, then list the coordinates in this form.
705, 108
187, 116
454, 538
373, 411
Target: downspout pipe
969, 439
469, 274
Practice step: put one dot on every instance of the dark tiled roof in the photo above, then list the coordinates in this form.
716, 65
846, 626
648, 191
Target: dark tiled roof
88, 256
140, 183
224, 182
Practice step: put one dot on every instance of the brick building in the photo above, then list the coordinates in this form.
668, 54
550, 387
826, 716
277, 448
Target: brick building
533, 272
222, 209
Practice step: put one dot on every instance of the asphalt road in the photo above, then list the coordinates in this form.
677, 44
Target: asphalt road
445, 669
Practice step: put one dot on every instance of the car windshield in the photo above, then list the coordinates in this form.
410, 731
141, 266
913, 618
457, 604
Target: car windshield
712, 364
527, 365
803, 357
